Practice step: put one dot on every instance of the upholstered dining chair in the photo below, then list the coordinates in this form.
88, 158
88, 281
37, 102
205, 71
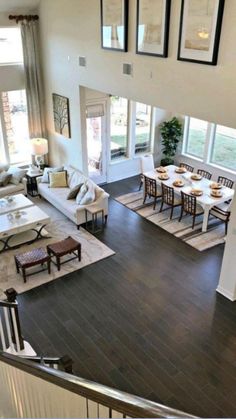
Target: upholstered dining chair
190, 207
187, 167
169, 198
222, 212
226, 182
147, 164
204, 173
152, 190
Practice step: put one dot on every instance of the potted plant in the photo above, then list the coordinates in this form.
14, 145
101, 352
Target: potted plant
171, 133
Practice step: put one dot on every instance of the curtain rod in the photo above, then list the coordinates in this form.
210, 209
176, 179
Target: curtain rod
19, 18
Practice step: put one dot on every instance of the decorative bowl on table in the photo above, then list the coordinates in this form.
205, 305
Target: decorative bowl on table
18, 214
216, 185
9, 199
164, 176
161, 169
180, 170
196, 176
196, 192
179, 183
216, 193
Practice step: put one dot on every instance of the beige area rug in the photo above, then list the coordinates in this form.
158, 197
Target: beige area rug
60, 227
214, 236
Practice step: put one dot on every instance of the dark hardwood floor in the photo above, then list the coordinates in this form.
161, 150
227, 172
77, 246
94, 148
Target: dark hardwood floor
147, 320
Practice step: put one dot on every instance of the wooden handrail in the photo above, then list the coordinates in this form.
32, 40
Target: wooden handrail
116, 400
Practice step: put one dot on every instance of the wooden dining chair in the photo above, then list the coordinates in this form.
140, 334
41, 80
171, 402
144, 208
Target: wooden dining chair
147, 164
152, 190
222, 213
169, 198
204, 173
189, 206
187, 167
226, 182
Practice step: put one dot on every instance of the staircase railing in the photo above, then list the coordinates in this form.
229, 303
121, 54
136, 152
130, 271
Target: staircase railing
34, 390
63, 363
10, 330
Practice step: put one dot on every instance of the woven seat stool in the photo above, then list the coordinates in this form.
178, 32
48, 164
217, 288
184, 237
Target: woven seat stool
63, 248
32, 258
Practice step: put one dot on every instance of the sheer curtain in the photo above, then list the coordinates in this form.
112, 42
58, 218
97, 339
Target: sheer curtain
33, 79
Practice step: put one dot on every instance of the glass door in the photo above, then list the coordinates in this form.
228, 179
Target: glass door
96, 148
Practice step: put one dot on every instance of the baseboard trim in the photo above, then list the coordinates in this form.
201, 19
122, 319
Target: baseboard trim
226, 294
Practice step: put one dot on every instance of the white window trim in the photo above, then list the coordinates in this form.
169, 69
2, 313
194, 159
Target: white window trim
208, 148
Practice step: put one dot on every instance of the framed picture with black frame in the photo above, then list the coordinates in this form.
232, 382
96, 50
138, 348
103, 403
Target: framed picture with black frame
114, 24
200, 30
152, 33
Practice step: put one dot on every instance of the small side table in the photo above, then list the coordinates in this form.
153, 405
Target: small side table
95, 212
32, 187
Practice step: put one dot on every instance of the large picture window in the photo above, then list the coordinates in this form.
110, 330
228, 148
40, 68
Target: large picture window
213, 144
119, 127
15, 143
224, 147
196, 137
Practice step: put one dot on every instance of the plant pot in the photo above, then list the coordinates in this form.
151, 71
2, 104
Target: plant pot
167, 161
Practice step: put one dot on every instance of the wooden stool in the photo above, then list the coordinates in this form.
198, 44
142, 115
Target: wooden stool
63, 248
29, 259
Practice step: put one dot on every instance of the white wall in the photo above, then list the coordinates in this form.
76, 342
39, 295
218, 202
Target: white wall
73, 28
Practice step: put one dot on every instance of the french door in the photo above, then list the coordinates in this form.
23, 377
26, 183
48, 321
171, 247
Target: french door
96, 144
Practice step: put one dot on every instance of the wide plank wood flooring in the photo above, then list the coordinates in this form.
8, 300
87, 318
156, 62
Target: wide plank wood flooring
147, 320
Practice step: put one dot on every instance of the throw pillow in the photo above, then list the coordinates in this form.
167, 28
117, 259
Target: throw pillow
81, 193
17, 174
58, 180
89, 197
74, 191
47, 170
5, 178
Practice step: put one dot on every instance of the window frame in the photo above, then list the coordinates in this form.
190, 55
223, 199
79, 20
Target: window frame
208, 148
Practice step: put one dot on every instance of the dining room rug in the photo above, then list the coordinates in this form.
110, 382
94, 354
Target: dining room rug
214, 235
93, 250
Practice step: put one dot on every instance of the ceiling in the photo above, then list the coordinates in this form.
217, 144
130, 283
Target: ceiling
17, 5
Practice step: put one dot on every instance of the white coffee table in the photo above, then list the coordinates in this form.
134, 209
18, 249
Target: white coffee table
18, 202
28, 228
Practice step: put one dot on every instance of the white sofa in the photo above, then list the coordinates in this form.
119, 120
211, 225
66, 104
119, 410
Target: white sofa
58, 197
12, 189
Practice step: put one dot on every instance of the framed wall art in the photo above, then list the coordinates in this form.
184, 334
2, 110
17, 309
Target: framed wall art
200, 29
114, 24
153, 19
61, 115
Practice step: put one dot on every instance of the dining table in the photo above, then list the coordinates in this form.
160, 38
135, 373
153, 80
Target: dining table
206, 200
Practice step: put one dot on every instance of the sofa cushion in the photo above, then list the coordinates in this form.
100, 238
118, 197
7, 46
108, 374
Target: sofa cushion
70, 171
58, 179
81, 194
5, 178
47, 170
76, 179
89, 197
17, 174
4, 167
74, 191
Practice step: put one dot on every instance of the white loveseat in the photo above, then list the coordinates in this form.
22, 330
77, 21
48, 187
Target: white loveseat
58, 197
12, 189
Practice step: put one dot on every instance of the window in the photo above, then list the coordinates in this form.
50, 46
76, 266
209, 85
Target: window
195, 137
214, 144
143, 128
119, 127
224, 147
10, 46
15, 135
